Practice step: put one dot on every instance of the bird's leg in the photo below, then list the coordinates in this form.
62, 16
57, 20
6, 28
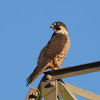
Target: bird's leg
54, 65
57, 67
51, 68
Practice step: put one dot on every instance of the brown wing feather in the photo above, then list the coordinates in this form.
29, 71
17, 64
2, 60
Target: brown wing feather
53, 48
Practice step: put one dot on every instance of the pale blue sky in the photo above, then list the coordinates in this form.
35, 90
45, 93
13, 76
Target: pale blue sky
25, 29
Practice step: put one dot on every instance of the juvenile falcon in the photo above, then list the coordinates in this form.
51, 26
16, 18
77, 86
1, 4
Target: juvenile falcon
53, 54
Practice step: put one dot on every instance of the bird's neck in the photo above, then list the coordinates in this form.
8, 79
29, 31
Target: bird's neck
62, 32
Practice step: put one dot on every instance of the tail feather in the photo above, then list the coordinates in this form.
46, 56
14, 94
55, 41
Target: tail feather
35, 74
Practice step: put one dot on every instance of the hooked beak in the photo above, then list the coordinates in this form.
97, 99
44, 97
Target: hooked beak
51, 26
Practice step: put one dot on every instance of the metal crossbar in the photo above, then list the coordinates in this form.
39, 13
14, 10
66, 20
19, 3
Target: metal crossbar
73, 71
52, 87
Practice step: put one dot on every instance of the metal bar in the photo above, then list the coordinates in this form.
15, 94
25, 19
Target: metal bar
75, 70
52, 95
83, 93
33, 94
48, 89
64, 92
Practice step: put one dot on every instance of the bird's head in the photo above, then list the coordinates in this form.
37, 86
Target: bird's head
59, 27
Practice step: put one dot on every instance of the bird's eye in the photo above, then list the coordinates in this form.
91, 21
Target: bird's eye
55, 24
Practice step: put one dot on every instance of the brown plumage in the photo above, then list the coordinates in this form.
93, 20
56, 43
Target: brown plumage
53, 54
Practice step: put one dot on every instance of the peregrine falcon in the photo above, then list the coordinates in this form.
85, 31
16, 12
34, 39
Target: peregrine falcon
53, 54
